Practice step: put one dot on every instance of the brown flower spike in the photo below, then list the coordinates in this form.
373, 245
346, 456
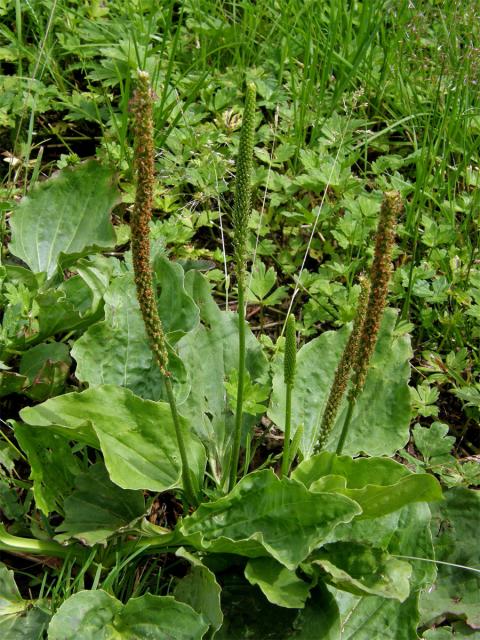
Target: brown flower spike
342, 373
379, 278
141, 107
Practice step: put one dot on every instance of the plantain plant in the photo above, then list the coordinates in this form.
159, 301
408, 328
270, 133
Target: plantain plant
163, 416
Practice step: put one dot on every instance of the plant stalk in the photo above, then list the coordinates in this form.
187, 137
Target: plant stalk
240, 385
288, 428
346, 426
31, 546
186, 477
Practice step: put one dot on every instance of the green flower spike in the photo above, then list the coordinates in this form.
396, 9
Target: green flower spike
241, 214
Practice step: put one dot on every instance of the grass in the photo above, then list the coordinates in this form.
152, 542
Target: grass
356, 98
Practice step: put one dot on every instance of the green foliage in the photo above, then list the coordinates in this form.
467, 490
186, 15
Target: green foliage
97, 508
94, 614
264, 515
382, 413
210, 354
69, 227
363, 570
18, 618
138, 454
116, 350
378, 485
280, 585
355, 99
200, 590
456, 589
53, 467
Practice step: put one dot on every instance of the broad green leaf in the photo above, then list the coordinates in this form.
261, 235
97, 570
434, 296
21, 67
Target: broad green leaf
97, 508
96, 615
455, 526
363, 570
18, 620
358, 472
381, 417
280, 585
379, 485
402, 533
201, 591
368, 617
17, 274
31, 625
264, 516
46, 366
116, 350
53, 467
210, 354
319, 619
137, 437
67, 214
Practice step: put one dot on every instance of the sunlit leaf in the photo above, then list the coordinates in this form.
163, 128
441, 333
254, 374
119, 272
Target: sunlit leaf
137, 437
264, 516
379, 485
96, 615
67, 214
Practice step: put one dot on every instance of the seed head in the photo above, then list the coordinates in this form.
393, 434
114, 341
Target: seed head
379, 277
142, 112
342, 373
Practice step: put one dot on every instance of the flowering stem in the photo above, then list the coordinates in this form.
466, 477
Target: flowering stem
342, 373
186, 477
346, 425
240, 385
288, 429
377, 299
142, 108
